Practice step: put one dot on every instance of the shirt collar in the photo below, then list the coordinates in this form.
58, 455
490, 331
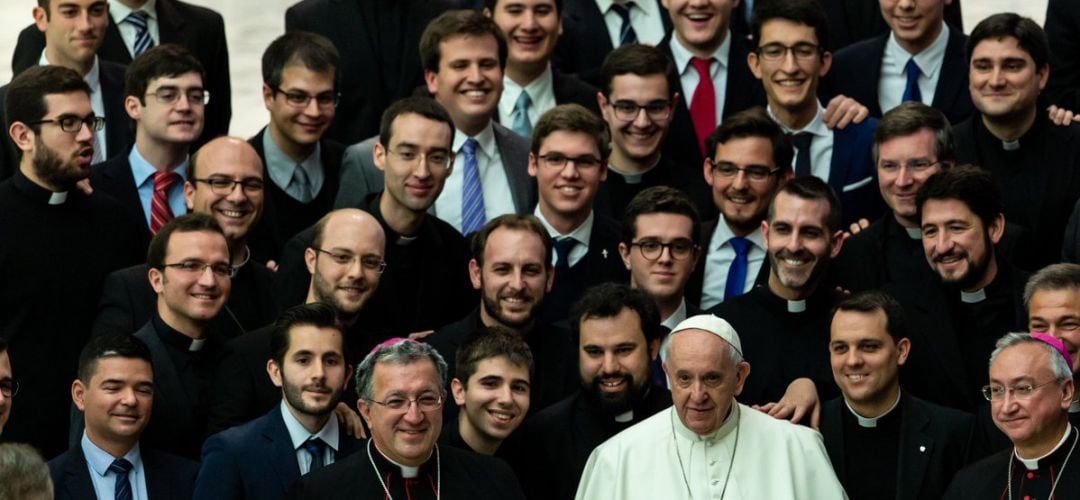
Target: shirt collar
676, 317
581, 234
914, 233
100, 460
648, 7
511, 90
723, 234
171, 336
36, 192
485, 139
329, 434
929, 60
973, 297
871, 421
682, 55
816, 126
92, 77
143, 171
280, 166
118, 11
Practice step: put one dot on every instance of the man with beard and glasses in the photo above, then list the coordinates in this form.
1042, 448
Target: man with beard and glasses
512, 269
785, 324
618, 335
57, 247
345, 259
301, 434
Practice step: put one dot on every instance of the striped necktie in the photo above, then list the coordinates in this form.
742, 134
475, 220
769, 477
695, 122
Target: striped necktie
472, 193
160, 211
626, 32
141, 21
121, 467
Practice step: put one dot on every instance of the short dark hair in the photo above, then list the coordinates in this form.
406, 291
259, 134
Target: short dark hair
911, 117
877, 300
25, 100
967, 184
188, 223
315, 314
491, 342
491, 4
419, 105
313, 51
812, 188
517, 222
1063, 276
166, 60
660, 199
1028, 34
807, 12
753, 122
607, 300
572, 118
111, 345
640, 60
454, 23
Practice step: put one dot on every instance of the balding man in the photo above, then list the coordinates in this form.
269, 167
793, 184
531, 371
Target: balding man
707, 444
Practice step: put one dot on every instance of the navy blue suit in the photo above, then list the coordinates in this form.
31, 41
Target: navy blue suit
853, 174
167, 476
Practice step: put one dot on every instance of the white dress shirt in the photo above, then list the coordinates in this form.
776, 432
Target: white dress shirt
581, 233
97, 103
821, 144
644, 17
493, 180
718, 260
330, 435
540, 92
118, 12
688, 75
676, 317
894, 61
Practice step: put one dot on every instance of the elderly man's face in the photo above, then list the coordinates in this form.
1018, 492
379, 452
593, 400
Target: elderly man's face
704, 380
405, 436
1057, 312
1032, 422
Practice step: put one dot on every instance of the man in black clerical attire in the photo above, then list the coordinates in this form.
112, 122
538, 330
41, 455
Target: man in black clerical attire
401, 387
883, 442
1031, 388
344, 263
57, 247
618, 335
1052, 296
1035, 163
426, 281
785, 323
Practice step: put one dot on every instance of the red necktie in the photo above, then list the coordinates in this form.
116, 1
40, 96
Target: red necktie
703, 104
160, 212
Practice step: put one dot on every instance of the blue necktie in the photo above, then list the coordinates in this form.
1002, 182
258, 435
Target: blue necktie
563, 246
522, 126
801, 141
316, 448
911, 90
140, 20
472, 193
736, 276
626, 32
121, 467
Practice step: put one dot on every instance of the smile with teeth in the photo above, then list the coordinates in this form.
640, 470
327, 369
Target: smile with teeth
699, 17
203, 296
855, 377
739, 200
501, 416
569, 190
232, 214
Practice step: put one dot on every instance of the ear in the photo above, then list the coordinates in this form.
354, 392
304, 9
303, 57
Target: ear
474, 274
133, 107
903, 349
1067, 395
458, 390
740, 376
837, 243
22, 135
706, 170
157, 280
189, 195
754, 63
309, 260
41, 19
78, 394
550, 279
1044, 76
603, 170
675, 100
765, 231
487, 12
268, 96
365, 411
378, 155
274, 370
431, 79
997, 228
624, 252
532, 165
826, 63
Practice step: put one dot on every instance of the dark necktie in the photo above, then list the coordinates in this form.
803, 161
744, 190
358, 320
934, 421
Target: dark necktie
736, 276
316, 448
801, 141
160, 211
626, 32
141, 21
121, 467
703, 104
911, 90
563, 246
473, 215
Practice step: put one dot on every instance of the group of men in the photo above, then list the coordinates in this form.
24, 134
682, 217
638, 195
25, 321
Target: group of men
543, 249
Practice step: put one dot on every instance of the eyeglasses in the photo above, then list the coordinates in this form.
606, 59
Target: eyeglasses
220, 269
426, 403
651, 249
918, 165
803, 51
73, 124
628, 110
302, 99
224, 185
559, 160
368, 262
436, 159
996, 392
756, 173
9, 387
169, 95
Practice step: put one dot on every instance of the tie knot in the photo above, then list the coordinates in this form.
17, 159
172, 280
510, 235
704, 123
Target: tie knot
120, 466
563, 246
469, 148
314, 446
137, 18
165, 180
740, 244
622, 9
702, 66
801, 140
523, 101
912, 68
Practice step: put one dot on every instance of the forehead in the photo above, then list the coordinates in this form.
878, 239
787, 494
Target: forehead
5, 364
506, 4
315, 339
945, 210
1066, 300
794, 209
75, 3
663, 225
299, 76
857, 325
621, 328
468, 47
500, 366
514, 245
362, 236
419, 130
746, 151
417, 376
1026, 360
1006, 47
70, 103
921, 144
121, 368
570, 142
785, 30
639, 87
184, 81
698, 350
206, 245
229, 160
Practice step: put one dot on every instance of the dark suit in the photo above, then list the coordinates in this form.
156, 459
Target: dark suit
853, 173
198, 29
852, 21
1063, 31
115, 178
568, 89
255, 460
1070, 250
168, 476
585, 41
601, 264
615, 192
696, 284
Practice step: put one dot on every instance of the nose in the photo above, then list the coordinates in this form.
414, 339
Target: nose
788, 63
237, 193
853, 358
207, 278
611, 365
312, 108
641, 119
86, 133
318, 370
413, 415
665, 256
570, 170
740, 181
997, 77
529, 20
906, 4
504, 395
517, 280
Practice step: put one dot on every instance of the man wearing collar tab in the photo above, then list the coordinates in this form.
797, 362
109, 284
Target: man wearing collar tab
400, 384
1030, 391
1052, 296
883, 442
708, 445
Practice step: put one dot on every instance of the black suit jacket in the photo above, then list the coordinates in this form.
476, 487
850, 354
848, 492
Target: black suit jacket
1063, 31
600, 265
696, 284
199, 29
585, 41
114, 178
168, 477
568, 89
852, 21
934, 442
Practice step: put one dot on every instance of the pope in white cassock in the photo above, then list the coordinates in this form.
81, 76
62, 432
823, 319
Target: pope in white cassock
708, 446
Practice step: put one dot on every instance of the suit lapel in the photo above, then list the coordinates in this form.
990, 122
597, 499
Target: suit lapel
122, 183
875, 69
916, 448
514, 163
952, 83
77, 475
113, 48
170, 23
278, 449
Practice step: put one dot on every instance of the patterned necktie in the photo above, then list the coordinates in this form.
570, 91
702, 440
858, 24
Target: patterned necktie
317, 449
160, 211
703, 104
626, 31
141, 21
736, 275
522, 126
121, 467
300, 186
472, 192
911, 90
563, 246
801, 141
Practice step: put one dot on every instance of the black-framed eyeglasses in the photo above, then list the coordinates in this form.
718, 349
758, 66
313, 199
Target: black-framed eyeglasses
995, 392
436, 159
755, 173
368, 262
803, 51
219, 269
679, 249
916, 165
169, 95
73, 123
225, 185
302, 99
559, 160
9, 387
628, 110
426, 403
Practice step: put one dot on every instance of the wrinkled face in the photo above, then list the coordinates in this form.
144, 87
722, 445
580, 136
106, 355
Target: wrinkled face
639, 139
1037, 419
915, 23
704, 380
239, 209
1004, 81
192, 296
904, 164
117, 400
1057, 312
532, 28
514, 277
664, 277
405, 436
410, 178
5, 399
63, 158
469, 81
339, 277
743, 201
495, 399
302, 125
614, 361
790, 82
313, 372
700, 24
568, 191
178, 122
799, 242
865, 358
957, 245
74, 30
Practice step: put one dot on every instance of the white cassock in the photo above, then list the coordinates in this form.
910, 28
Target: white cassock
660, 458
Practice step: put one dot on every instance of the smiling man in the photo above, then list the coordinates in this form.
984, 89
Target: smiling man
1052, 296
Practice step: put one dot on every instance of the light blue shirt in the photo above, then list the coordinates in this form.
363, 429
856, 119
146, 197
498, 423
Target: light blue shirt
330, 434
719, 257
282, 168
98, 461
143, 172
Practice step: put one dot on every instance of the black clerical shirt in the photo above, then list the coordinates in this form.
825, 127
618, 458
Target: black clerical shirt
990, 477
870, 455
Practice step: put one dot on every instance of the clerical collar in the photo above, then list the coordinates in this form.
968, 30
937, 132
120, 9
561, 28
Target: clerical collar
1010, 145
173, 337
405, 240
247, 258
623, 418
407, 471
37, 192
629, 178
973, 297
1033, 463
796, 306
871, 422
914, 233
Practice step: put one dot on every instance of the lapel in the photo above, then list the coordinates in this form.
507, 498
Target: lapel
166, 380
170, 22
76, 481
874, 68
681, 143
120, 184
589, 16
118, 135
269, 209
158, 479
276, 448
743, 89
832, 425
514, 163
916, 448
113, 48
842, 153
952, 86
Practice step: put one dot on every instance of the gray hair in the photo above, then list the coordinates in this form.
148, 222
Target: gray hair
1052, 278
403, 352
23, 474
1061, 370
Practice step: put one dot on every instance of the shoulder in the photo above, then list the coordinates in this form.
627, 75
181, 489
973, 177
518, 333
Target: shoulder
508, 141
550, 419
944, 417
991, 466
173, 465
362, 150
58, 465
857, 134
860, 51
645, 435
202, 14
111, 72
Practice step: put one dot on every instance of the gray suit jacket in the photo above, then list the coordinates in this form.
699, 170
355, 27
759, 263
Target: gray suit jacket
360, 177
